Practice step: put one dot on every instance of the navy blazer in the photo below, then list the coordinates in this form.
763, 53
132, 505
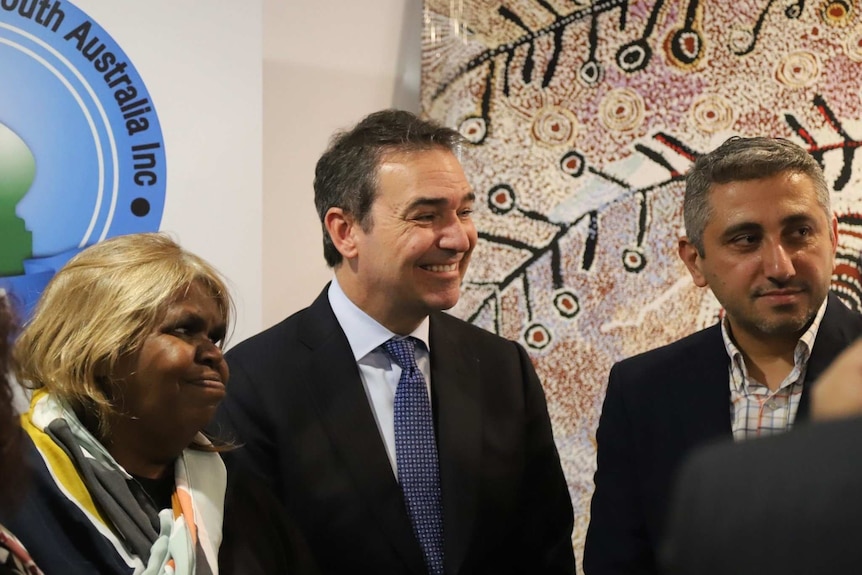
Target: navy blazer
297, 404
659, 406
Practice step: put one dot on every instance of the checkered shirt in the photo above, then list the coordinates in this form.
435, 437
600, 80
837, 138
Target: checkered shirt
756, 411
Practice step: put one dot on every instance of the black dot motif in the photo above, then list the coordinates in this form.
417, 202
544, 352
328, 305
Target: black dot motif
140, 207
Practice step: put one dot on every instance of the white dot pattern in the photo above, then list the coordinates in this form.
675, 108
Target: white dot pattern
416, 453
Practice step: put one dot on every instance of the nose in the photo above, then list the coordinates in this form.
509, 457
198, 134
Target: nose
458, 236
208, 353
778, 262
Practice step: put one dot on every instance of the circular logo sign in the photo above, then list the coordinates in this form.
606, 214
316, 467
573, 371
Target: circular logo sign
81, 150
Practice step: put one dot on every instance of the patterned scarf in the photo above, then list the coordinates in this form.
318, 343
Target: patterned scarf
13, 557
184, 540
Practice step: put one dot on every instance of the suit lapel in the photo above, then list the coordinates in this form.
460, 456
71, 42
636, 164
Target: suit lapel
706, 405
456, 389
336, 388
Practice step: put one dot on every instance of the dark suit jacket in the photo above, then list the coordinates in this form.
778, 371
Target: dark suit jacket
659, 406
790, 504
296, 400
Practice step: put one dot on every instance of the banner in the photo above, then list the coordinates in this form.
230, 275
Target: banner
112, 122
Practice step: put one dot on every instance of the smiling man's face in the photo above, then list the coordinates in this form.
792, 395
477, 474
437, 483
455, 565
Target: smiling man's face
415, 251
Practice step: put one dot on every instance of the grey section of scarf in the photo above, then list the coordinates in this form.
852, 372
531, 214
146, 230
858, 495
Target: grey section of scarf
111, 493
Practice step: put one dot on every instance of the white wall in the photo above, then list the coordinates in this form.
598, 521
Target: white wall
201, 61
327, 63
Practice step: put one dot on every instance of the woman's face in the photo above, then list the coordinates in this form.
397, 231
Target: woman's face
171, 387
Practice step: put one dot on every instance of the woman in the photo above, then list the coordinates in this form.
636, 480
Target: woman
14, 559
124, 354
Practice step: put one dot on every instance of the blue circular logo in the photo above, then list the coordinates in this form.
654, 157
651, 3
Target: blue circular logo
81, 150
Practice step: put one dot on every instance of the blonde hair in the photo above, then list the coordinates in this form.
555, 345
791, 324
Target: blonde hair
101, 306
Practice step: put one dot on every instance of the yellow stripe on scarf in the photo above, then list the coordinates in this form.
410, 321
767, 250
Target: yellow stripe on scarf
61, 466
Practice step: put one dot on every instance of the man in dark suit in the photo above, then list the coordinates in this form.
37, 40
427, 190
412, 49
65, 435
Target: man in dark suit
804, 514
761, 234
461, 477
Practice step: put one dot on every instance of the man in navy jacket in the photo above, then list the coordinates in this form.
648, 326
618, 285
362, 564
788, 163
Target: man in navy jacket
762, 236
312, 398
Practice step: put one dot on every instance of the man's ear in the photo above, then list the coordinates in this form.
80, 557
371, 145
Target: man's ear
341, 227
834, 224
692, 259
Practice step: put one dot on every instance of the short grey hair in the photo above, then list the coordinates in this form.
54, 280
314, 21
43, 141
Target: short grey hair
740, 159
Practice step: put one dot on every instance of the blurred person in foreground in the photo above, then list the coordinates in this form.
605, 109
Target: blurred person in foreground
762, 236
402, 439
804, 515
124, 354
14, 558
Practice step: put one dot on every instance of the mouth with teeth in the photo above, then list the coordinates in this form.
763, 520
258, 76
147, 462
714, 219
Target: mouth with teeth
440, 268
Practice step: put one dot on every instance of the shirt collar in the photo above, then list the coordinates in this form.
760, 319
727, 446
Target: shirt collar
803, 347
364, 333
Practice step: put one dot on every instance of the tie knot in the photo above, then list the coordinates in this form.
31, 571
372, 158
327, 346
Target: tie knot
401, 351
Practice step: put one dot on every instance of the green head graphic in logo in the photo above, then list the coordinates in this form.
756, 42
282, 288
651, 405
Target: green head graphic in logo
17, 170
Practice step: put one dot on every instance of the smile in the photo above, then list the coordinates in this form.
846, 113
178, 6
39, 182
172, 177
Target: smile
215, 384
441, 268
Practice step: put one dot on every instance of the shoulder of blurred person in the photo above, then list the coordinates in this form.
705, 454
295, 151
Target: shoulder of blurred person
838, 393
788, 504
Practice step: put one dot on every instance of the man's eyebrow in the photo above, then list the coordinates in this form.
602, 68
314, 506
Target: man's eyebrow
740, 228
436, 202
793, 219
748, 227
426, 202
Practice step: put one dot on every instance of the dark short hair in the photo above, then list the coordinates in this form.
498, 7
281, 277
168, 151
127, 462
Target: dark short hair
346, 173
740, 159
11, 457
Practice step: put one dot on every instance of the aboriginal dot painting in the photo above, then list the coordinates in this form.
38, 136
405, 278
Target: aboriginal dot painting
583, 118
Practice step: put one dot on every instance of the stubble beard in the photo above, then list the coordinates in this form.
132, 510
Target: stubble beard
779, 323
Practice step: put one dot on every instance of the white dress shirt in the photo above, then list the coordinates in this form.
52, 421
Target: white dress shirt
379, 373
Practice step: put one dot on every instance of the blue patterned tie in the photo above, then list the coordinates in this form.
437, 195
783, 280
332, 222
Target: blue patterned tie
416, 454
